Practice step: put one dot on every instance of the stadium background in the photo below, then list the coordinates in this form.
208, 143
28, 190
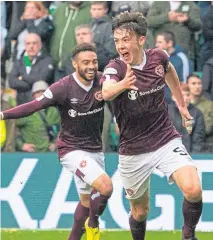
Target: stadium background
37, 194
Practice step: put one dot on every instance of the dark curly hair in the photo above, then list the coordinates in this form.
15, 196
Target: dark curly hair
83, 47
133, 21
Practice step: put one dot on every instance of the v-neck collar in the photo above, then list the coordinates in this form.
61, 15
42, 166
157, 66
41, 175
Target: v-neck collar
141, 66
81, 84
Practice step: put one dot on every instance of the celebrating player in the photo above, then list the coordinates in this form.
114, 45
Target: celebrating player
134, 83
81, 106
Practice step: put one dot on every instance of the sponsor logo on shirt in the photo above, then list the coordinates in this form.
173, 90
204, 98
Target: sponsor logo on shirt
99, 96
73, 113
133, 95
48, 94
159, 70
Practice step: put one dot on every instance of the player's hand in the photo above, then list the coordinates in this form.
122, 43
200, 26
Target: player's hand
187, 119
129, 79
28, 147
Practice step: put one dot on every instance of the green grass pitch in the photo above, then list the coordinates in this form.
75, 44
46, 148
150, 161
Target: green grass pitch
105, 235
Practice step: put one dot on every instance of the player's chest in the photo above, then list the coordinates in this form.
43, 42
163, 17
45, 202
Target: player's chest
152, 77
83, 101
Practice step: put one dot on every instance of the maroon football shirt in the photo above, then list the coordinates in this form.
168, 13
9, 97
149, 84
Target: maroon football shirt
142, 115
81, 110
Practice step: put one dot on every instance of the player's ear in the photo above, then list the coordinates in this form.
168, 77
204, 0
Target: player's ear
142, 40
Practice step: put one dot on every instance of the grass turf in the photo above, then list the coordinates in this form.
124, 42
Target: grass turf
105, 235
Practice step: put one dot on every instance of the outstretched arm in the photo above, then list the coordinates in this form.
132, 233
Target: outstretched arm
25, 110
55, 95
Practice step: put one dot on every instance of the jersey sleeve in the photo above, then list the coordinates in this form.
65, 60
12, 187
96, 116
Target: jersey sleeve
163, 58
55, 95
115, 70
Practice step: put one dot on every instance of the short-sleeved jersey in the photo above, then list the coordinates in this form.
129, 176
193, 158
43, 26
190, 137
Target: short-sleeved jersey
81, 110
142, 115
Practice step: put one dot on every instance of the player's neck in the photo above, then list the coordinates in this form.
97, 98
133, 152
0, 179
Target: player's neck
84, 82
139, 59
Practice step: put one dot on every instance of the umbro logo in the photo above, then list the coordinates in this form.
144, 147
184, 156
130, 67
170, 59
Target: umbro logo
74, 100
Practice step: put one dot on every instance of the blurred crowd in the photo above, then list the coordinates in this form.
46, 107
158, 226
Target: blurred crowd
36, 43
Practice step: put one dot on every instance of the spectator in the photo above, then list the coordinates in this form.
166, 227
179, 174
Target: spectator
166, 41
205, 106
83, 34
7, 127
180, 18
35, 19
3, 30
207, 79
44, 124
34, 64
193, 142
103, 36
66, 17
206, 51
130, 6
135, 6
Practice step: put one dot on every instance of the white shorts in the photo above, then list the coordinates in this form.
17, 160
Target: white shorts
136, 170
86, 166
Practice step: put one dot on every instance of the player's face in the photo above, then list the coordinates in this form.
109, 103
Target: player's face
86, 65
129, 46
195, 86
161, 43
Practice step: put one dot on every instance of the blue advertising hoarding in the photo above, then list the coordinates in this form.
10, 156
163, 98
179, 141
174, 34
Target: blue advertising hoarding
36, 193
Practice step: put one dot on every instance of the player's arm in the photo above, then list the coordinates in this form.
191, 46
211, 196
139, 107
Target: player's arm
48, 98
24, 110
112, 88
173, 83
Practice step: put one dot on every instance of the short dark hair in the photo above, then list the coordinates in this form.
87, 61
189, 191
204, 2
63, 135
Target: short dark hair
88, 26
192, 75
168, 36
133, 21
83, 47
104, 3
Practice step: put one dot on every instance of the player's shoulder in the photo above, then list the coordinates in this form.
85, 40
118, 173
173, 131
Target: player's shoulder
157, 52
65, 81
115, 67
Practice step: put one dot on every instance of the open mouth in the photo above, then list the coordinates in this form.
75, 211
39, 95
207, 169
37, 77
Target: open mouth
91, 73
125, 56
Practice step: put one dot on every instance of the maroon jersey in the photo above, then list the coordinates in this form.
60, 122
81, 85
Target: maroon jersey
81, 109
142, 115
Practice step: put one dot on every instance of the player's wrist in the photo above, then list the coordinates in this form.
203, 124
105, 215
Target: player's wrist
123, 85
